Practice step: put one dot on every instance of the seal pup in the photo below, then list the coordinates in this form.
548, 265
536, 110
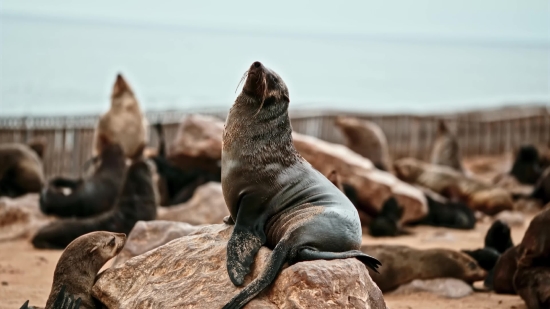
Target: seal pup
386, 223
21, 170
445, 150
124, 123
526, 168
136, 201
367, 139
77, 268
91, 196
447, 213
275, 197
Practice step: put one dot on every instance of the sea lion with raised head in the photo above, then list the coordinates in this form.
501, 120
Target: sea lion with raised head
446, 150
91, 196
274, 196
124, 123
21, 170
77, 268
136, 201
526, 168
367, 139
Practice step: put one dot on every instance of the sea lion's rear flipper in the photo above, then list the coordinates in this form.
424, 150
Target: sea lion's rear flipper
265, 278
25, 305
241, 250
65, 300
308, 254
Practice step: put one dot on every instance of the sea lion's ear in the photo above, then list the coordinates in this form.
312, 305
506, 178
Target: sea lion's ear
93, 249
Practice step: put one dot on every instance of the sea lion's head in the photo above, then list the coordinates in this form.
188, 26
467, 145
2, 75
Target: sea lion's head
461, 265
264, 88
408, 169
122, 95
528, 153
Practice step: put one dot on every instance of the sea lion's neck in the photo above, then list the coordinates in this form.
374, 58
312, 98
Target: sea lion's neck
259, 135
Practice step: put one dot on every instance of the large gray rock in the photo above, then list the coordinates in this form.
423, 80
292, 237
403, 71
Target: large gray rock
207, 206
190, 272
148, 235
21, 217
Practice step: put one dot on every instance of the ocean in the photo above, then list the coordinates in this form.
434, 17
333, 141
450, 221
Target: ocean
67, 67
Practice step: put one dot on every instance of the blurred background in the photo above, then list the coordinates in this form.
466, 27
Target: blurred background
61, 57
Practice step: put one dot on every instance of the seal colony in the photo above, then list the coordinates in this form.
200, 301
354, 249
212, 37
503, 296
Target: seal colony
275, 197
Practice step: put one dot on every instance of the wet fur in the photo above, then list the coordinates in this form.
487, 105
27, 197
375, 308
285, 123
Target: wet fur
274, 196
137, 201
91, 196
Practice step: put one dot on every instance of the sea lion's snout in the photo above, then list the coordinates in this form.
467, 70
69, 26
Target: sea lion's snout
256, 84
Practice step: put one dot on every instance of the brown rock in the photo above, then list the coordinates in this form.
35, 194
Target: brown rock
373, 186
148, 235
21, 217
207, 206
402, 264
190, 272
198, 143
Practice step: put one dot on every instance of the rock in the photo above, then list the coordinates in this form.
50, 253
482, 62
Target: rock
402, 264
373, 186
148, 235
207, 206
367, 139
198, 143
21, 217
512, 218
446, 287
190, 272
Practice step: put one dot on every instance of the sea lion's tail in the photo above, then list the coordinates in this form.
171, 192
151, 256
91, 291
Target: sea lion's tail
278, 257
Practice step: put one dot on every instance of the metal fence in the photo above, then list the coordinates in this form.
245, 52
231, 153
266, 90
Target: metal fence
69, 139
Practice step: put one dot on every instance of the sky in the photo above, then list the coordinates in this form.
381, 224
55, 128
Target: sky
498, 20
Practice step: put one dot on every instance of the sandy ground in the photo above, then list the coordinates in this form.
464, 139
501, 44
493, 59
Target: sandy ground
27, 273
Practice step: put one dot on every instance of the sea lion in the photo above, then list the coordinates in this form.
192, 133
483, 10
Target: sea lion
77, 268
532, 277
403, 264
386, 223
124, 123
526, 168
541, 190
137, 201
275, 197
443, 180
176, 184
21, 170
446, 151
91, 196
503, 272
446, 213
367, 139
499, 237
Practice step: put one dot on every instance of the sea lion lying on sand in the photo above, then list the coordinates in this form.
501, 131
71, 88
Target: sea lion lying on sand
137, 201
91, 196
21, 169
441, 179
446, 213
274, 196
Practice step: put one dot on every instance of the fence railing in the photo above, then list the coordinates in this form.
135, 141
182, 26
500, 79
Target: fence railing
69, 139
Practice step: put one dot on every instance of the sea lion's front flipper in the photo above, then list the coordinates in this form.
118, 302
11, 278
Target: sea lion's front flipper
247, 238
265, 278
308, 254
25, 305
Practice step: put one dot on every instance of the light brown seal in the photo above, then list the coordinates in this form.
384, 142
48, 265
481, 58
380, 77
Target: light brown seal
446, 150
367, 139
21, 170
124, 123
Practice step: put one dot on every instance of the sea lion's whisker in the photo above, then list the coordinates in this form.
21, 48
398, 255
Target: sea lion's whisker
245, 75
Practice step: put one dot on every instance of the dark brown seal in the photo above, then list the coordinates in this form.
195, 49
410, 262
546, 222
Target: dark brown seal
91, 196
21, 170
532, 278
446, 150
404, 264
274, 196
367, 139
526, 168
542, 187
137, 201
504, 270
